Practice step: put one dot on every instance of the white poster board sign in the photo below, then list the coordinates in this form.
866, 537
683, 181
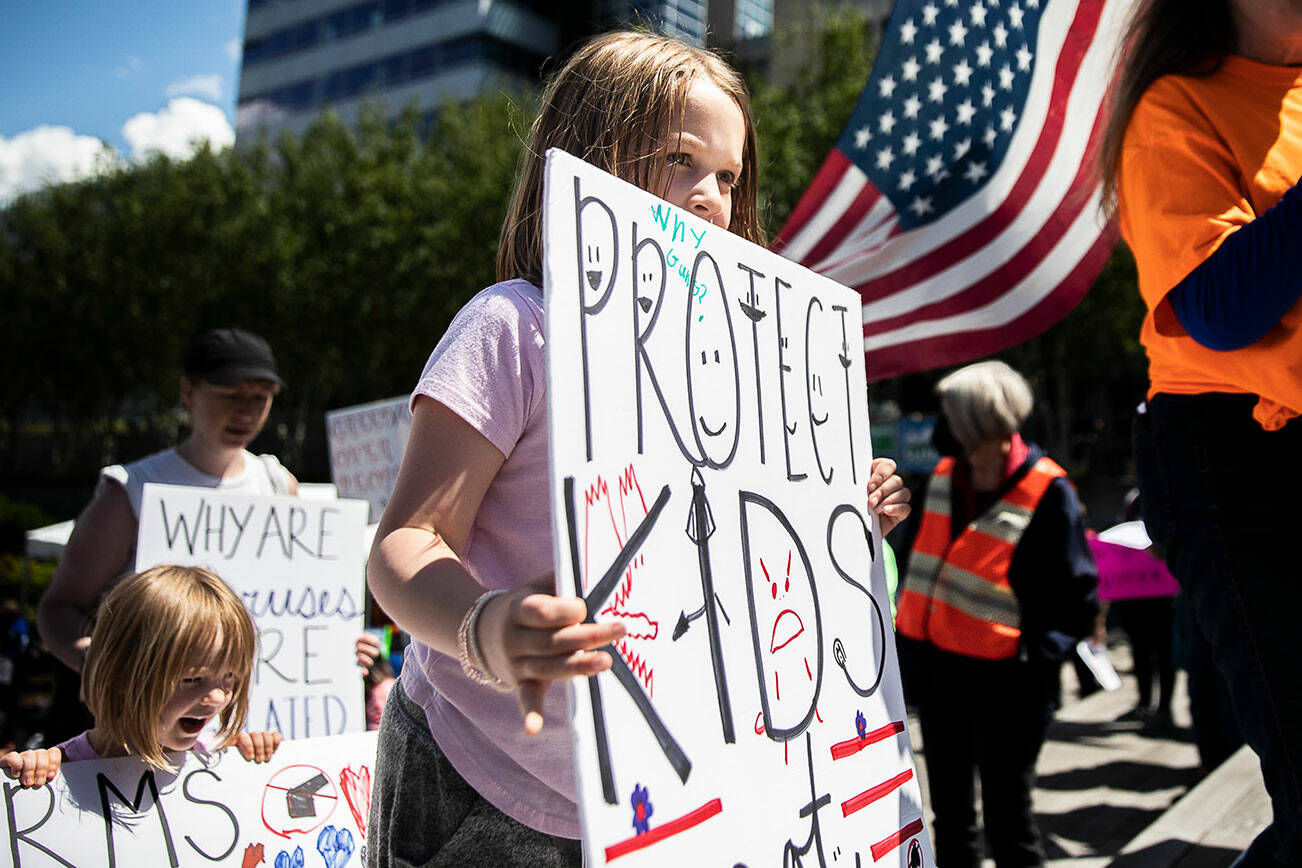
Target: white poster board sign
299, 567
709, 450
366, 445
311, 802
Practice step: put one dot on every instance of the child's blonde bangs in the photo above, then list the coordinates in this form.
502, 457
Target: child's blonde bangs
153, 628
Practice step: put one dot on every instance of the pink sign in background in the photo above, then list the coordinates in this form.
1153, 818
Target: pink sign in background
1127, 574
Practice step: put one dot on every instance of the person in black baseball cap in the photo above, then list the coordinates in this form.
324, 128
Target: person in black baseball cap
228, 355
230, 380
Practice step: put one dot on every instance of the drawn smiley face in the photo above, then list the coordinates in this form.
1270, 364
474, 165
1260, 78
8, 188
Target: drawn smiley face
713, 376
598, 251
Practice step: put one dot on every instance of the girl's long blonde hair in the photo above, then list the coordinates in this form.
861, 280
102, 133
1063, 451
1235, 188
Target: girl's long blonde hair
150, 630
1162, 37
610, 105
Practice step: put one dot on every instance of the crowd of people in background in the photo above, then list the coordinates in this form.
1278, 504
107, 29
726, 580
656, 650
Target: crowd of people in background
997, 581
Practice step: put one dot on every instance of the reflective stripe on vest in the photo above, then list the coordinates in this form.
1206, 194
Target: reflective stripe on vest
956, 593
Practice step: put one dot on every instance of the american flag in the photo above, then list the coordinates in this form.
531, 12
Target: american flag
960, 200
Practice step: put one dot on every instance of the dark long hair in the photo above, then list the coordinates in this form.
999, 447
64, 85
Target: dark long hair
1163, 37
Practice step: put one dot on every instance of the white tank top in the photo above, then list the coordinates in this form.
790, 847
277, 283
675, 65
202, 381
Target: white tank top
262, 474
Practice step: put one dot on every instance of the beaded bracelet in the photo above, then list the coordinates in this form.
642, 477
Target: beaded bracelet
472, 659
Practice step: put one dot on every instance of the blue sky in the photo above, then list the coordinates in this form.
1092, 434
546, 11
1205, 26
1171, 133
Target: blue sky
87, 67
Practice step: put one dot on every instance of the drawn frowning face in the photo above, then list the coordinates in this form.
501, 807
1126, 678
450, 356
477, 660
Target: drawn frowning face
784, 621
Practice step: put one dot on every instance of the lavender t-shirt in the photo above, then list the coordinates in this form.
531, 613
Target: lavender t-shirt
489, 370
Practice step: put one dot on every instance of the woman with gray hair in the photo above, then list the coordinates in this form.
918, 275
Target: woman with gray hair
998, 587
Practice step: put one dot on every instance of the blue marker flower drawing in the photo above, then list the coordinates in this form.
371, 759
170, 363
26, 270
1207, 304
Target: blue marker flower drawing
642, 810
860, 724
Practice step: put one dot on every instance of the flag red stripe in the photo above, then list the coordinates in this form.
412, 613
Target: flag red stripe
957, 347
848, 220
825, 181
1019, 265
1080, 34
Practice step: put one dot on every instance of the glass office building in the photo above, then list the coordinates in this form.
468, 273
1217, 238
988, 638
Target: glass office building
302, 56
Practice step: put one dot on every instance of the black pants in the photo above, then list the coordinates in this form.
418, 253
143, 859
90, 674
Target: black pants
985, 718
1148, 624
1222, 497
425, 814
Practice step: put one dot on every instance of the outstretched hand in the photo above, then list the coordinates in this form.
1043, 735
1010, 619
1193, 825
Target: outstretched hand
258, 746
32, 768
529, 638
887, 495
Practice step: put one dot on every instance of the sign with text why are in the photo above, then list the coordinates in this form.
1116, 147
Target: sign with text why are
310, 802
298, 565
709, 453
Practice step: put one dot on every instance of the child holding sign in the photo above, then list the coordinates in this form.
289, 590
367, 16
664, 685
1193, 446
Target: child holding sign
459, 780
172, 649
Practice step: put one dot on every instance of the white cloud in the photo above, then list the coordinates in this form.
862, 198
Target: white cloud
234, 49
176, 129
48, 154
205, 86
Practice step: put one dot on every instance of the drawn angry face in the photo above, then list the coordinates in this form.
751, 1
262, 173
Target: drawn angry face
784, 621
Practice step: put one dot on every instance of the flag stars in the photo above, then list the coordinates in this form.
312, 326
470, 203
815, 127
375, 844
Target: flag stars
961, 149
886, 122
936, 90
929, 13
886, 87
957, 32
907, 179
911, 144
911, 69
908, 31
978, 13
976, 170
1006, 77
934, 51
963, 73
920, 205
984, 53
989, 137
987, 95
862, 137
912, 106
1024, 57
1001, 35
884, 158
1006, 119
935, 165
1015, 14
938, 128
966, 111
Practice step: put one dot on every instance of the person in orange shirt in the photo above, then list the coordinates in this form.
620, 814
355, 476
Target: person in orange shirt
1202, 155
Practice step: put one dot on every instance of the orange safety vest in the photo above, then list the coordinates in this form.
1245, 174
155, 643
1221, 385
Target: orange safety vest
956, 593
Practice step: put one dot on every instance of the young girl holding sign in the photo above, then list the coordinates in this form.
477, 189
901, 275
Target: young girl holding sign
459, 780
172, 649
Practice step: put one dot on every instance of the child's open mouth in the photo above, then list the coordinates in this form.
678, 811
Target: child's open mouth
192, 725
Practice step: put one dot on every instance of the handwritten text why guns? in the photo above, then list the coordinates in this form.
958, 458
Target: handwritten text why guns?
616, 262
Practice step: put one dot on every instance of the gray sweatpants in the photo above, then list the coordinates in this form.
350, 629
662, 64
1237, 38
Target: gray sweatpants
424, 814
